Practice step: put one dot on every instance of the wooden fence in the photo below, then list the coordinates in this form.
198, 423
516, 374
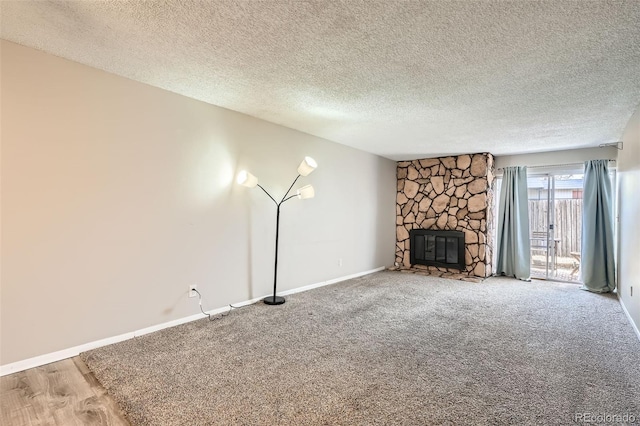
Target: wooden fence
568, 222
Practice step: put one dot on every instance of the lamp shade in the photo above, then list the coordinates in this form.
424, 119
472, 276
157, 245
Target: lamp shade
306, 192
247, 179
307, 166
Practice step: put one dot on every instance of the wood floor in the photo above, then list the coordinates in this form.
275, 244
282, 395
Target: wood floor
61, 393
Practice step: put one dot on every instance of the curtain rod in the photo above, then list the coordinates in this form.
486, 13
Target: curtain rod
619, 145
554, 165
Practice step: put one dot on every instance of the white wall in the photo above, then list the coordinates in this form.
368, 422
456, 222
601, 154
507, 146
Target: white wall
553, 158
629, 214
117, 195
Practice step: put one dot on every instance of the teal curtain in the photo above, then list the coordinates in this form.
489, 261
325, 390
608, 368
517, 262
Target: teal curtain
597, 262
514, 245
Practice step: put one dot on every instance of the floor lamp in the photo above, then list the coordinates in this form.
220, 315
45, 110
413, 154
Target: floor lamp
250, 181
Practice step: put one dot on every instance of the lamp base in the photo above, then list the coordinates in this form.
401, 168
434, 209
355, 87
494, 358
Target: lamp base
273, 300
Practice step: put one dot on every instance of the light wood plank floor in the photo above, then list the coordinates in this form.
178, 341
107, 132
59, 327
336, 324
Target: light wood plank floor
61, 393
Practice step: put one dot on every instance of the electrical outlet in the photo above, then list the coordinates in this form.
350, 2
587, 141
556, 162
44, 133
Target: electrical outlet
340, 262
192, 293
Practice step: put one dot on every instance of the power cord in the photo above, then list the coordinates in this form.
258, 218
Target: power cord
213, 318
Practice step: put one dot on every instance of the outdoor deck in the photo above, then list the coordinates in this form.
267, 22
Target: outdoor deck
565, 268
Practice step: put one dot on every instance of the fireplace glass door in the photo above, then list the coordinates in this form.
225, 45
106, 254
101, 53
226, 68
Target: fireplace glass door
440, 248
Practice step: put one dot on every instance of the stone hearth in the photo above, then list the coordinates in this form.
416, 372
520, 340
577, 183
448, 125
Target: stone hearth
447, 193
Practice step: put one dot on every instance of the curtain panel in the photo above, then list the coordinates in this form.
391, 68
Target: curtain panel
597, 268
514, 244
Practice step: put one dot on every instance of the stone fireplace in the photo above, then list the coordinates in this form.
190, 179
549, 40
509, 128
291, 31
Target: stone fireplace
447, 194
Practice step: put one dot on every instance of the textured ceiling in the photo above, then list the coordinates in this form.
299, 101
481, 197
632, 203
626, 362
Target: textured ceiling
404, 80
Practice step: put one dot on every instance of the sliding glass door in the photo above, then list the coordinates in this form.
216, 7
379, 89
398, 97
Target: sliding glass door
540, 225
555, 219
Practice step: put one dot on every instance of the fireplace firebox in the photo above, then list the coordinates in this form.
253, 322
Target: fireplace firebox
437, 248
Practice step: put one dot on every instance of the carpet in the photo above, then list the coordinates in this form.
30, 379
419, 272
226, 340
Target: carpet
389, 348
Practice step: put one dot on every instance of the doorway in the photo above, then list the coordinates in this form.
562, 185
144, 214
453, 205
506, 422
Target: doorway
555, 224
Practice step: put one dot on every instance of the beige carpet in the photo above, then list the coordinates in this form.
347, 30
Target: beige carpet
389, 348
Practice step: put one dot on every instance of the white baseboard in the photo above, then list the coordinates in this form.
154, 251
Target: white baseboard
37, 361
633, 324
324, 283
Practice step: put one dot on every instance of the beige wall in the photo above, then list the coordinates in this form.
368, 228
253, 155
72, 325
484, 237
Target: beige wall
629, 214
117, 195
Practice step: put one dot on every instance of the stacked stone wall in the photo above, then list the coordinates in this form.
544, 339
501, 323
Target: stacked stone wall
448, 193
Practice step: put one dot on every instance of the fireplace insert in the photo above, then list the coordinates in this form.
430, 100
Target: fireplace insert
437, 248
